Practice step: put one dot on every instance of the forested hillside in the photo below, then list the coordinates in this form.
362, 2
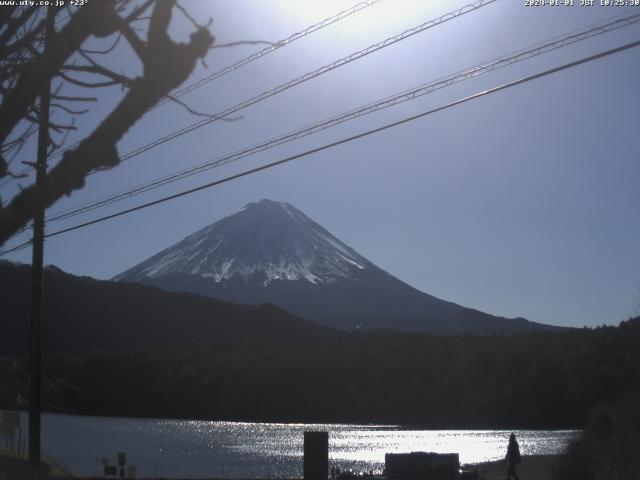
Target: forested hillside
541, 380
83, 314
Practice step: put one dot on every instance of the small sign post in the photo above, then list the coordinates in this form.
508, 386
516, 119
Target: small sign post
316, 455
122, 461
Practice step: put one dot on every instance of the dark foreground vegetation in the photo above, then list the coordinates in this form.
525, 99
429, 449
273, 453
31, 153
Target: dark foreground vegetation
609, 445
128, 350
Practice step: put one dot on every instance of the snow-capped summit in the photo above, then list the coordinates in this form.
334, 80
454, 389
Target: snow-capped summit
265, 240
271, 252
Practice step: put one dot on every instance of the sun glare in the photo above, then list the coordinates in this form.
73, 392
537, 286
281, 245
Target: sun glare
385, 12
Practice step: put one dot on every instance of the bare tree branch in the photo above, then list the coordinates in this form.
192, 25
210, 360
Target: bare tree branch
69, 110
57, 145
159, 24
82, 83
97, 18
138, 11
98, 70
21, 42
14, 24
201, 114
138, 45
166, 65
74, 99
106, 50
18, 176
190, 18
53, 126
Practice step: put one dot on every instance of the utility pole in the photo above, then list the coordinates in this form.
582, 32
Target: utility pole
35, 326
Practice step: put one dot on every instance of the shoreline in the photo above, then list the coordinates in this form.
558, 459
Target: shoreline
373, 425
533, 467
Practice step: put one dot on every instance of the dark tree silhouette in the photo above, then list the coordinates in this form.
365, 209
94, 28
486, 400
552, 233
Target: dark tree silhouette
25, 64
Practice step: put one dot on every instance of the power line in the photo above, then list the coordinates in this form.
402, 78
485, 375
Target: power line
530, 52
235, 66
16, 248
308, 76
272, 48
367, 133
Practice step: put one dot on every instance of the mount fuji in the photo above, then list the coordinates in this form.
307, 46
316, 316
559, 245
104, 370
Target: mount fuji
271, 252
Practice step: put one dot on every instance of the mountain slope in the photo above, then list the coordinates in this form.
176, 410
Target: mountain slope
271, 252
83, 314
270, 239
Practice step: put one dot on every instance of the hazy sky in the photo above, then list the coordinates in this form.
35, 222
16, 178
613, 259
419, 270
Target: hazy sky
522, 203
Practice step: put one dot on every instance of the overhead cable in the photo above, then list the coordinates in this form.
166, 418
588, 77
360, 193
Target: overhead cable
367, 133
299, 80
239, 64
308, 76
270, 49
529, 52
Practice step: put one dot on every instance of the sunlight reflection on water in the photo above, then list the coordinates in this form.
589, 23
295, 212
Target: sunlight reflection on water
199, 449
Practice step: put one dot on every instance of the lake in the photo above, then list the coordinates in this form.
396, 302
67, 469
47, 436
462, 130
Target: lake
201, 449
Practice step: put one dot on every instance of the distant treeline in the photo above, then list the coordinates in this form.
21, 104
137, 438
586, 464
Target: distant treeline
535, 380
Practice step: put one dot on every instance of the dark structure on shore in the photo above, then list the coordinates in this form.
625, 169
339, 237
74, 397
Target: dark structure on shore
421, 466
316, 455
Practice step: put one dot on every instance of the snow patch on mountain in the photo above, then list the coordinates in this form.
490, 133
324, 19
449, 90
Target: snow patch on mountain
266, 240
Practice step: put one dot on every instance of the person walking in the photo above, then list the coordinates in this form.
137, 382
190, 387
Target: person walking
513, 457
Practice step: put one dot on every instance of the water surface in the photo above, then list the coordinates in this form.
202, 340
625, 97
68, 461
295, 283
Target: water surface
201, 449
